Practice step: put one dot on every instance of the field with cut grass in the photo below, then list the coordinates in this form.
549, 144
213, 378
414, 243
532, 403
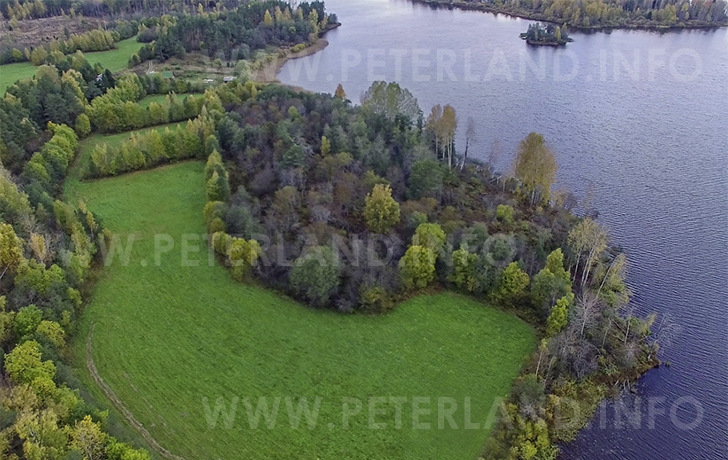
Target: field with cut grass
170, 333
114, 60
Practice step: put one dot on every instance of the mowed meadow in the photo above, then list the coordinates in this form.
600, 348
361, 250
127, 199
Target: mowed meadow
166, 336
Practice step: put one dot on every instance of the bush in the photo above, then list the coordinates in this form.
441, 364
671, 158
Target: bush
217, 225
375, 299
504, 213
221, 242
242, 255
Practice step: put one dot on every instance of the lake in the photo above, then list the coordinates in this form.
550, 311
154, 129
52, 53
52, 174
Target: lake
637, 120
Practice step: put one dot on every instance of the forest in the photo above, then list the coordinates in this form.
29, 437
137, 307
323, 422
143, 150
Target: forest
606, 14
236, 33
33, 9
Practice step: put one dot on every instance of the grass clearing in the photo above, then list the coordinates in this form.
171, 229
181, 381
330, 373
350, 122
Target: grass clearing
117, 59
168, 334
114, 60
10, 73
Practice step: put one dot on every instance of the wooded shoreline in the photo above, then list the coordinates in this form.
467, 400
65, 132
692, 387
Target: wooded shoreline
268, 72
536, 16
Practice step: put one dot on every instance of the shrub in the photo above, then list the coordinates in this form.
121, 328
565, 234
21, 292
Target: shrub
375, 299
242, 255
504, 213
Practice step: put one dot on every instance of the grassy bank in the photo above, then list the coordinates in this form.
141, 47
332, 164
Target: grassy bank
168, 335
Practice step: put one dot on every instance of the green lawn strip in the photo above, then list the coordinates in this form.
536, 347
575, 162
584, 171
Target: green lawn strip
166, 336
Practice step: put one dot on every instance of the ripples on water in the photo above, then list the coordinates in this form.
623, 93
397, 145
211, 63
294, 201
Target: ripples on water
653, 152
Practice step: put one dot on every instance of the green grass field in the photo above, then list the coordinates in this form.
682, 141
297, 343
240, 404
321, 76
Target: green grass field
167, 335
114, 60
10, 73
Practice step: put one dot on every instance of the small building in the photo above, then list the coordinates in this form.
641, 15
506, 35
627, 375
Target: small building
229, 78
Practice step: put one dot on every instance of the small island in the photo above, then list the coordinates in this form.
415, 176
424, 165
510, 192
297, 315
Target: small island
546, 35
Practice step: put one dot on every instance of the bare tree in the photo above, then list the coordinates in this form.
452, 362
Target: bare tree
586, 311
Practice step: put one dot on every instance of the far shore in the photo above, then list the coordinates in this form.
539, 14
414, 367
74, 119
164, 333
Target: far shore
536, 16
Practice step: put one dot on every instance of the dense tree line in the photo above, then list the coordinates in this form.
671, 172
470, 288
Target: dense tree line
118, 111
152, 148
46, 251
45, 257
56, 51
31, 9
57, 94
43, 175
235, 33
194, 140
75, 94
609, 13
41, 50
60, 92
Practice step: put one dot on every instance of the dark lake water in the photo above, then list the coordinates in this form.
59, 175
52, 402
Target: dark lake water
638, 121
